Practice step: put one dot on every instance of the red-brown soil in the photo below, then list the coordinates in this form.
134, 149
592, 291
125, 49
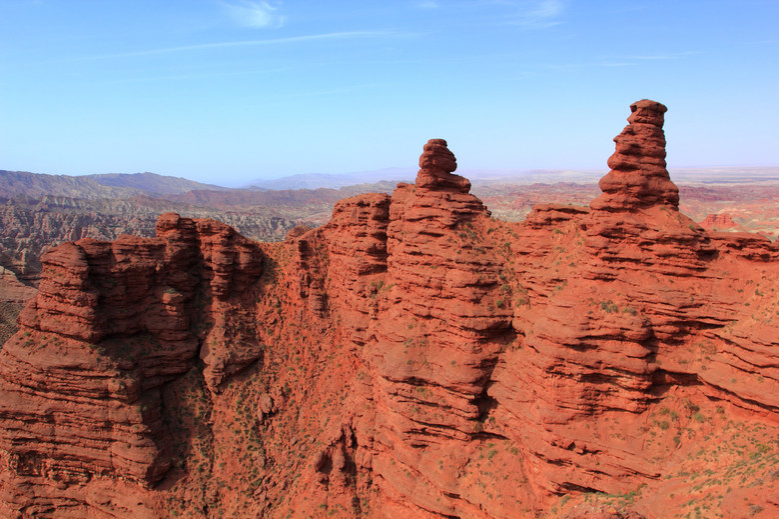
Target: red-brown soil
414, 357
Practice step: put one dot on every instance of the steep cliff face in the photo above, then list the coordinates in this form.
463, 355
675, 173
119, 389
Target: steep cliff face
412, 358
112, 324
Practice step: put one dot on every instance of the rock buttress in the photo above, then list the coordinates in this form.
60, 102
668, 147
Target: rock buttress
112, 324
442, 321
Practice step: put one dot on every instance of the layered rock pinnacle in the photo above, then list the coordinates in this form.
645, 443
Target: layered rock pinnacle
636, 222
437, 164
638, 176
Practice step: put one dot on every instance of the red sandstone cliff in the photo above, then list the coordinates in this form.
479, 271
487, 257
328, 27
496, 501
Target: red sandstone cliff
412, 358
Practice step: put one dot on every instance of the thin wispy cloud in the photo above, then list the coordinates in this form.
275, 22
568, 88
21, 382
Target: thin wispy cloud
547, 9
429, 4
329, 91
764, 42
250, 43
664, 56
538, 14
197, 76
255, 14
615, 64
625, 61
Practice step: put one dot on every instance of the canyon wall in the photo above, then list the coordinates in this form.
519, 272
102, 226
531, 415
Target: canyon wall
414, 357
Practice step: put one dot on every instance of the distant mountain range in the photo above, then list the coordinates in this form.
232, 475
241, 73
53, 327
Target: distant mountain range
125, 185
111, 185
317, 180
395, 175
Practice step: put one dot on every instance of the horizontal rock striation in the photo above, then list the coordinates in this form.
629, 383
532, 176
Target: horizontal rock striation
414, 357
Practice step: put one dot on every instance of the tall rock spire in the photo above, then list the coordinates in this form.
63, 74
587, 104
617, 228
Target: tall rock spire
638, 177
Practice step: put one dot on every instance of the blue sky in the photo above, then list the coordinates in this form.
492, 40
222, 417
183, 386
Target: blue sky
226, 91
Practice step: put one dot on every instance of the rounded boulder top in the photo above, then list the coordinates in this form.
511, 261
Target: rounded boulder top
436, 155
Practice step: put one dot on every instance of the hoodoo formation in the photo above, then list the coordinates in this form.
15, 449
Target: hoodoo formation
638, 177
414, 357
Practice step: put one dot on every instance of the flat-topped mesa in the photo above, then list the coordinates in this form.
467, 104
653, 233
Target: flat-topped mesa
437, 164
638, 178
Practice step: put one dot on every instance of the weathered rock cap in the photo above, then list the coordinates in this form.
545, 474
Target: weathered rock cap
437, 156
437, 163
647, 111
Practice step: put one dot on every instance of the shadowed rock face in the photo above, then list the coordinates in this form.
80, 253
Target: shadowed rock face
412, 358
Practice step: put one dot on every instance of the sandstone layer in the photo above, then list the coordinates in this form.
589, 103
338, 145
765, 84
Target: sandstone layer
414, 357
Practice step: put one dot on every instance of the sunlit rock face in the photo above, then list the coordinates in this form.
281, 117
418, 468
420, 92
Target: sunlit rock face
414, 357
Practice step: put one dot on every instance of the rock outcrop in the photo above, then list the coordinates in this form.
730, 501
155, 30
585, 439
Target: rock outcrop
13, 290
414, 357
720, 222
111, 324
